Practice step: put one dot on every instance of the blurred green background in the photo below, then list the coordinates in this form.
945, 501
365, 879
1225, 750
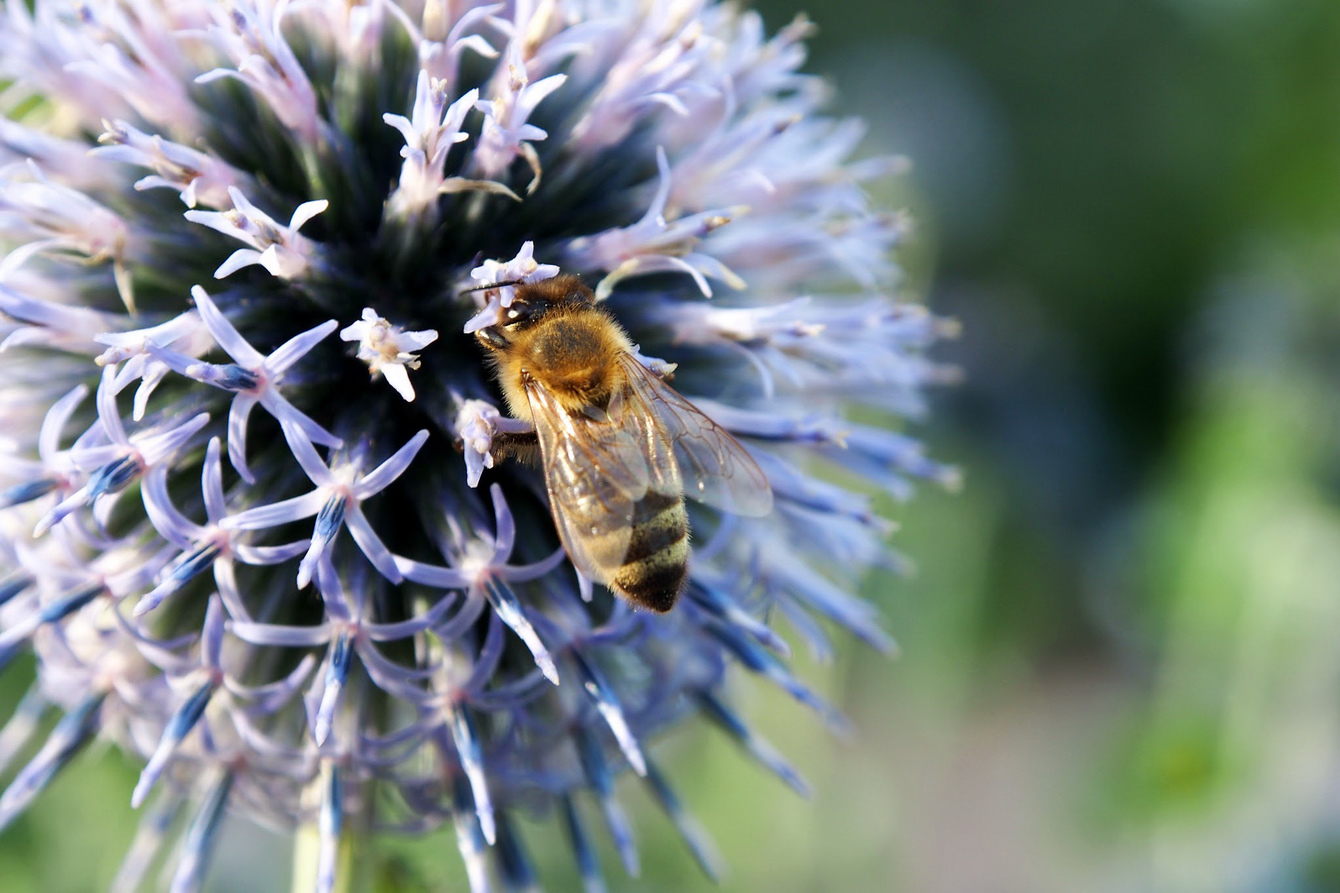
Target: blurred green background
1120, 668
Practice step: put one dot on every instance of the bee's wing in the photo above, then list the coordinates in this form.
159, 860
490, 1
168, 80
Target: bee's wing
597, 465
715, 468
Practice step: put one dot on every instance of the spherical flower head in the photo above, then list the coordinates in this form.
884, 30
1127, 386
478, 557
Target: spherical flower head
298, 594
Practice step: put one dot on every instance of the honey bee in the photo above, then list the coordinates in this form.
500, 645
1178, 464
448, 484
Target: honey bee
619, 447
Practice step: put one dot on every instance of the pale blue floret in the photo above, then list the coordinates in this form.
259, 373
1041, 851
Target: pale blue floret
22, 725
469, 839
198, 842
597, 774
724, 718
279, 249
203, 679
140, 353
480, 567
335, 502
54, 469
155, 828
178, 727
607, 703
50, 318
465, 742
346, 634
588, 863
27, 492
13, 584
264, 372
75, 729
203, 546
704, 593
13, 639
758, 660
656, 244
506, 133
121, 458
329, 826
337, 674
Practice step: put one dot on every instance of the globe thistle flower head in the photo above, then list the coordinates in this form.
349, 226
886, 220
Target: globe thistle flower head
257, 525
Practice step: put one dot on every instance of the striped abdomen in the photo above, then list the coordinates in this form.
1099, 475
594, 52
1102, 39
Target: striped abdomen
654, 567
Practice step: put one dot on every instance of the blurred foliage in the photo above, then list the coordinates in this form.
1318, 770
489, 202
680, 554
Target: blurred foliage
1118, 669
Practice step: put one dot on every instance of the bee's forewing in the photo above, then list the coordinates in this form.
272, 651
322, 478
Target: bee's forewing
595, 472
715, 468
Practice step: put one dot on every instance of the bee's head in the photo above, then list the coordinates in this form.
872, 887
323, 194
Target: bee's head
530, 303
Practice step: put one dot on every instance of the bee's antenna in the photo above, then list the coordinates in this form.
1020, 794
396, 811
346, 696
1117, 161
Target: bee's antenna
486, 286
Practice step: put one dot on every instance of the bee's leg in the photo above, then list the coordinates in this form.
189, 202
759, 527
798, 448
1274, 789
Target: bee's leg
523, 445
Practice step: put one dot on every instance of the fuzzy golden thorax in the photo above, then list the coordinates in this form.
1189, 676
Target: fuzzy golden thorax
555, 334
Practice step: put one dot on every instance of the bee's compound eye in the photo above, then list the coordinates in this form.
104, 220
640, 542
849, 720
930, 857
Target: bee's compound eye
522, 312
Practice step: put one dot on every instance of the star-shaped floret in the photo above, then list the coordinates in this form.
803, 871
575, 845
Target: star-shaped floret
196, 680
198, 177
388, 349
336, 502
137, 353
655, 244
430, 132
505, 274
253, 377
507, 133
124, 459
277, 248
480, 566
348, 631
54, 470
203, 546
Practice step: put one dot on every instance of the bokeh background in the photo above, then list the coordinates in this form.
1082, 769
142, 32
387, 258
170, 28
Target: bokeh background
1120, 664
